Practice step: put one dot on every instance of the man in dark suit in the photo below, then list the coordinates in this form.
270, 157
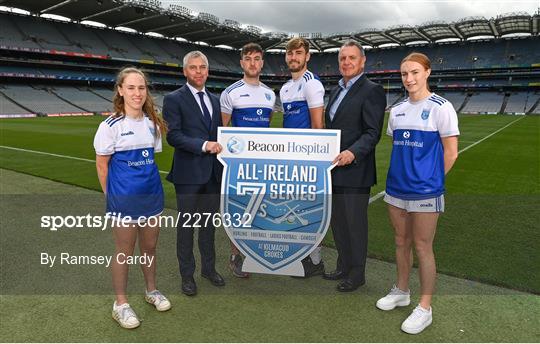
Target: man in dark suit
356, 107
193, 115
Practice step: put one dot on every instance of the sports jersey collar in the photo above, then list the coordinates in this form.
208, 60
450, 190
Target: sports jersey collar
300, 77
350, 83
421, 100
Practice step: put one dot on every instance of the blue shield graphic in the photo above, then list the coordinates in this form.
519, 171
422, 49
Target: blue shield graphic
425, 114
276, 191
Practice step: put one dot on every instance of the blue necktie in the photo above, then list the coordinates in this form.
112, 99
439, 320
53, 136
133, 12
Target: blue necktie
206, 113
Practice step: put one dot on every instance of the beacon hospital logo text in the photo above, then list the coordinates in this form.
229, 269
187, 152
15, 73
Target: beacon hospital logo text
236, 145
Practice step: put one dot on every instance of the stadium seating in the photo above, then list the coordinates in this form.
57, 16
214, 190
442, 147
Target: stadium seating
7, 107
83, 99
48, 34
39, 100
456, 98
520, 102
484, 103
31, 32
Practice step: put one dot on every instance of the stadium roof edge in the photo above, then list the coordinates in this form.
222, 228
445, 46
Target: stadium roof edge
179, 21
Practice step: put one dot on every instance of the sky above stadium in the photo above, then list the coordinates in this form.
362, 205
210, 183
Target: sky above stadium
328, 16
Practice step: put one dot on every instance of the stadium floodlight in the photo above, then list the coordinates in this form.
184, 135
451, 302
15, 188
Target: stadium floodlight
180, 11
253, 30
399, 27
434, 23
208, 18
471, 19
513, 14
276, 35
233, 24
147, 4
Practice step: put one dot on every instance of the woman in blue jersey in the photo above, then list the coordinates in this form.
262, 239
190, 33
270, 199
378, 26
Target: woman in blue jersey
125, 144
424, 130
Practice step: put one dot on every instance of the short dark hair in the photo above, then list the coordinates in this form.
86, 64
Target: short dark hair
251, 48
351, 43
297, 43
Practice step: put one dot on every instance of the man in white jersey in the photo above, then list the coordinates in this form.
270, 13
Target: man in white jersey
248, 103
302, 98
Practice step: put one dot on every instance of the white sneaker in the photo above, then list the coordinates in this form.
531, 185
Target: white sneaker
125, 315
159, 300
396, 297
419, 319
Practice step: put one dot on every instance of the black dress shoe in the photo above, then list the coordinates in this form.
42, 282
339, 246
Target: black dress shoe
214, 278
349, 285
189, 287
335, 275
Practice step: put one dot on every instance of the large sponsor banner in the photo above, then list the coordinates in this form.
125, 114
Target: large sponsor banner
278, 183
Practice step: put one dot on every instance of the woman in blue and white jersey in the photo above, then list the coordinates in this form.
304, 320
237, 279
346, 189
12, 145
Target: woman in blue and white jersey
424, 130
125, 144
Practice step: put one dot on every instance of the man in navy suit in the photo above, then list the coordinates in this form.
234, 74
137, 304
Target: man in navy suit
193, 115
356, 107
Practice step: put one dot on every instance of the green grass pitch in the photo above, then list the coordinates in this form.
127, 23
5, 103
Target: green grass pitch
489, 234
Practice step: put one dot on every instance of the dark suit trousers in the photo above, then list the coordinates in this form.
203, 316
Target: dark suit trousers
350, 229
191, 199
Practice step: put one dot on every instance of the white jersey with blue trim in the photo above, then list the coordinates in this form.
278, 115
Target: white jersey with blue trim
417, 163
133, 184
298, 96
248, 105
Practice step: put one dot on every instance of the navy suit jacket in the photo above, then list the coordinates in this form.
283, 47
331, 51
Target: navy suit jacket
360, 116
187, 133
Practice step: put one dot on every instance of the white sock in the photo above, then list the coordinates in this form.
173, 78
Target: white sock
316, 255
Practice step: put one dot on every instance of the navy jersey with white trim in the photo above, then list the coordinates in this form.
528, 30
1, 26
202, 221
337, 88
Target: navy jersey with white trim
417, 162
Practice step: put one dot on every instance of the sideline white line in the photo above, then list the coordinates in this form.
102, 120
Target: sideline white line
56, 155
381, 194
371, 200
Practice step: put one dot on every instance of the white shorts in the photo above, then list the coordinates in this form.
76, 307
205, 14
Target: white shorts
430, 205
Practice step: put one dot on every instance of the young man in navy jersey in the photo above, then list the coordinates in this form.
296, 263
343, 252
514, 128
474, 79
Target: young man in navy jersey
247, 103
302, 98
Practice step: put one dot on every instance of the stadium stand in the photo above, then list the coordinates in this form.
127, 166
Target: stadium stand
39, 100
456, 98
484, 103
392, 98
535, 109
520, 102
8, 107
489, 75
83, 99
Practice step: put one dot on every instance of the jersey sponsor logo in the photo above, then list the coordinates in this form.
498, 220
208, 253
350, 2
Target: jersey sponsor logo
146, 160
128, 133
259, 112
406, 134
284, 200
425, 114
289, 106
